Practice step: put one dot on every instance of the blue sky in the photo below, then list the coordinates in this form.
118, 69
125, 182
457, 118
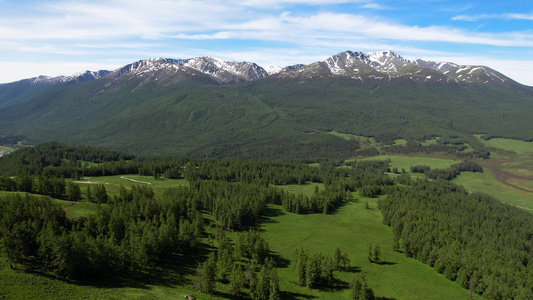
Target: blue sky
63, 37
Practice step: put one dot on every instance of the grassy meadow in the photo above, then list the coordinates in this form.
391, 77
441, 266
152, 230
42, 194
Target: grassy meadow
352, 228
509, 180
519, 147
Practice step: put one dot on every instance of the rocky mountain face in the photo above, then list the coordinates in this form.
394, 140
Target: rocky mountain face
220, 71
77, 77
386, 65
382, 65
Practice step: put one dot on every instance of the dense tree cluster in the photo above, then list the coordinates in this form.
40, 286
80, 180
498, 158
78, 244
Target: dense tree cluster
448, 145
314, 269
473, 239
33, 160
128, 236
54, 187
247, 264
449, 173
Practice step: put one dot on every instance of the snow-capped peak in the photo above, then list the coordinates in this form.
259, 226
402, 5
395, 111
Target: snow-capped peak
79, 77
273, 69
354, 62
220, 70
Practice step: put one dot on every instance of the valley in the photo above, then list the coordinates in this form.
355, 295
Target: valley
361, 176
353, 226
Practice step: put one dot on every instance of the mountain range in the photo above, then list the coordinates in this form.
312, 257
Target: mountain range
205, 106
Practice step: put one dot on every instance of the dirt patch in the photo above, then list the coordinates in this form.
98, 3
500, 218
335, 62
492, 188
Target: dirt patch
138, 181
71, 206
504, 176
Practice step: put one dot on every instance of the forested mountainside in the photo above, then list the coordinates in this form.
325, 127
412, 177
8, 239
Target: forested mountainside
206, 107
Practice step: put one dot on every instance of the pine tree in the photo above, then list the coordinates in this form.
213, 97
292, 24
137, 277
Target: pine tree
274, 285
73, 191
376, 254
313, 270
209, 273
301, 267
359, 288
237, 279
89, 194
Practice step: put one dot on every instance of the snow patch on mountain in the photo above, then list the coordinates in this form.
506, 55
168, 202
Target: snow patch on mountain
220, 70
375, 65
78, 77
273, 69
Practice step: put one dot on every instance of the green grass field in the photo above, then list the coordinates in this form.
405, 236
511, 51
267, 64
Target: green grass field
519, 147
400, 142
7, 149
113, 183
486, 182
362, 139
432, 141
306, 189
353, 228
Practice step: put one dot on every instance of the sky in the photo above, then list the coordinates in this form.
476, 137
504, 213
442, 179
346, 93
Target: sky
62, 37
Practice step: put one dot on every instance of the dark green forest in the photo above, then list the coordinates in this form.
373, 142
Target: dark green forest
482, 244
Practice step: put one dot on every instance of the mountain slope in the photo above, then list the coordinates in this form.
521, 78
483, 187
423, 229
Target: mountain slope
208, 107
19, 91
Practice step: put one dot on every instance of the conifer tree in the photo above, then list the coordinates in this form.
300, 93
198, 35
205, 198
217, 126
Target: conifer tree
73, 191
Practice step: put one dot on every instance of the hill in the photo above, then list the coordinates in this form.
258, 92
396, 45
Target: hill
205, 107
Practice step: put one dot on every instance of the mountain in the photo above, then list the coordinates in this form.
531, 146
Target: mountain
218, 70
206, 107
271, 70
386, 65
19, 91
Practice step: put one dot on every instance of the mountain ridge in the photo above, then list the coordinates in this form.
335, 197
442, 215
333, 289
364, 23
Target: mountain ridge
206, 107
224, 72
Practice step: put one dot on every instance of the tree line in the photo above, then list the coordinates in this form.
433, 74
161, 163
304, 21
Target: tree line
479, 242
448, 173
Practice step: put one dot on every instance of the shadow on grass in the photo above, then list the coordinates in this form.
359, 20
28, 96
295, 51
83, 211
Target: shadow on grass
279, 261
386, 263
336, 285
168, 272
352, 269
335, 209
270, 214
292, 296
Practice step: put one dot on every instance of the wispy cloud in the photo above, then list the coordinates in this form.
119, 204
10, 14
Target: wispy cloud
293, 30
506, 16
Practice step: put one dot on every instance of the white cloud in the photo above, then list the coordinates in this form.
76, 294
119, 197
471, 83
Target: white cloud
508, 16
103, 21
122, 29
23, 70
374, 6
